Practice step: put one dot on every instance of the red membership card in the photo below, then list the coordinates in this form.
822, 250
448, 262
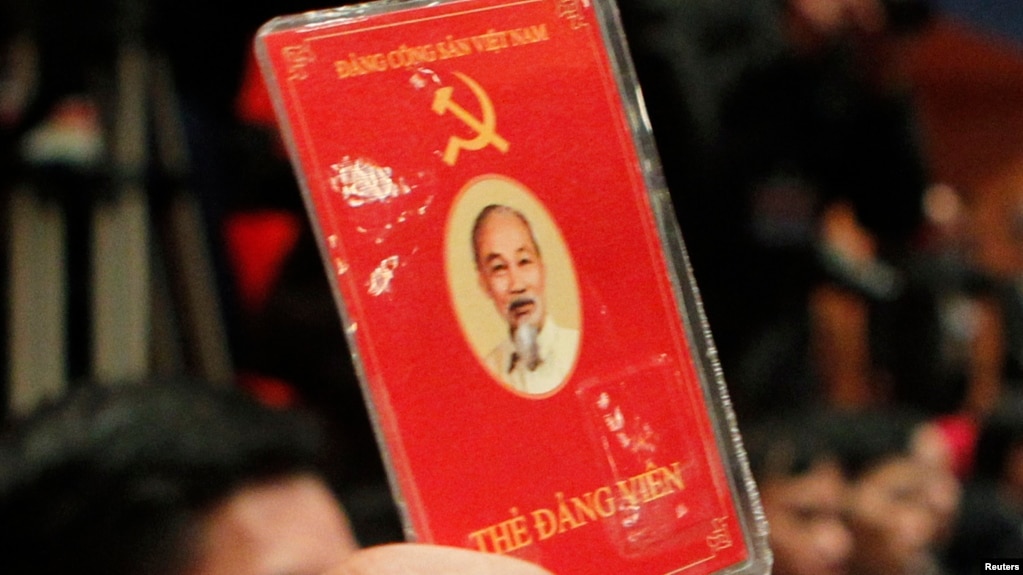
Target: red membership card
491, 212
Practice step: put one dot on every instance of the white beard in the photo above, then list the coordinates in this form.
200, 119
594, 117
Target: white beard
526, 347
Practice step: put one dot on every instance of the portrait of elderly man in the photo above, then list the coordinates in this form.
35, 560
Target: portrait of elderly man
538, 354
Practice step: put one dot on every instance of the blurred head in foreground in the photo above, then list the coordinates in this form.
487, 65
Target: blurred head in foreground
167, 479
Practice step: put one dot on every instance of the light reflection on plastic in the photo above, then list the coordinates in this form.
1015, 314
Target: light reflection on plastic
361, 182
638, 439
341, 266
405, 216
630, 443
422, 77
380, 278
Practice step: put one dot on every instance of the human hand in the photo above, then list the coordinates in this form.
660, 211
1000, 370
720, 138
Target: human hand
424, 559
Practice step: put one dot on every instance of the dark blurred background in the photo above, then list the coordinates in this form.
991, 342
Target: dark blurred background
848, 176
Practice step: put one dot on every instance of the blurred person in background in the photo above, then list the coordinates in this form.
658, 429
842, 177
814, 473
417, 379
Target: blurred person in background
990, 522
932, 446
766, 113
803, 492
59, 65
890, 500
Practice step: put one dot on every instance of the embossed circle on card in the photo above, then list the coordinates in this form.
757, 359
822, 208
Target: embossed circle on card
513, 286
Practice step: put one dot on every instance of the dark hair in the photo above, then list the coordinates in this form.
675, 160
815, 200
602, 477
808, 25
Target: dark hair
482, 217
787, 445
115, 480
863, 440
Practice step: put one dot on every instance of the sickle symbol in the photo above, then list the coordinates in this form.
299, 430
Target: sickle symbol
485, 133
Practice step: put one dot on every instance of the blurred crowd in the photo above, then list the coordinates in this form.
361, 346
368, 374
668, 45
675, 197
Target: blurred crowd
869, 356
881, 491
874, 365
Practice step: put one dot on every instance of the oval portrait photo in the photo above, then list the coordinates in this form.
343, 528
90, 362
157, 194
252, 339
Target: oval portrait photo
513, 286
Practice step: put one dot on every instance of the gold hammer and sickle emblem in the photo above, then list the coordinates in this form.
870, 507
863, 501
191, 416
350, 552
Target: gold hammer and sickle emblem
484, 128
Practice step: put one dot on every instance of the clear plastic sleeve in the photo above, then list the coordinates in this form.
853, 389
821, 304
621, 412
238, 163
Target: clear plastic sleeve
529, 338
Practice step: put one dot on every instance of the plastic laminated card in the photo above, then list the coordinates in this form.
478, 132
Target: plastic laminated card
491, 212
